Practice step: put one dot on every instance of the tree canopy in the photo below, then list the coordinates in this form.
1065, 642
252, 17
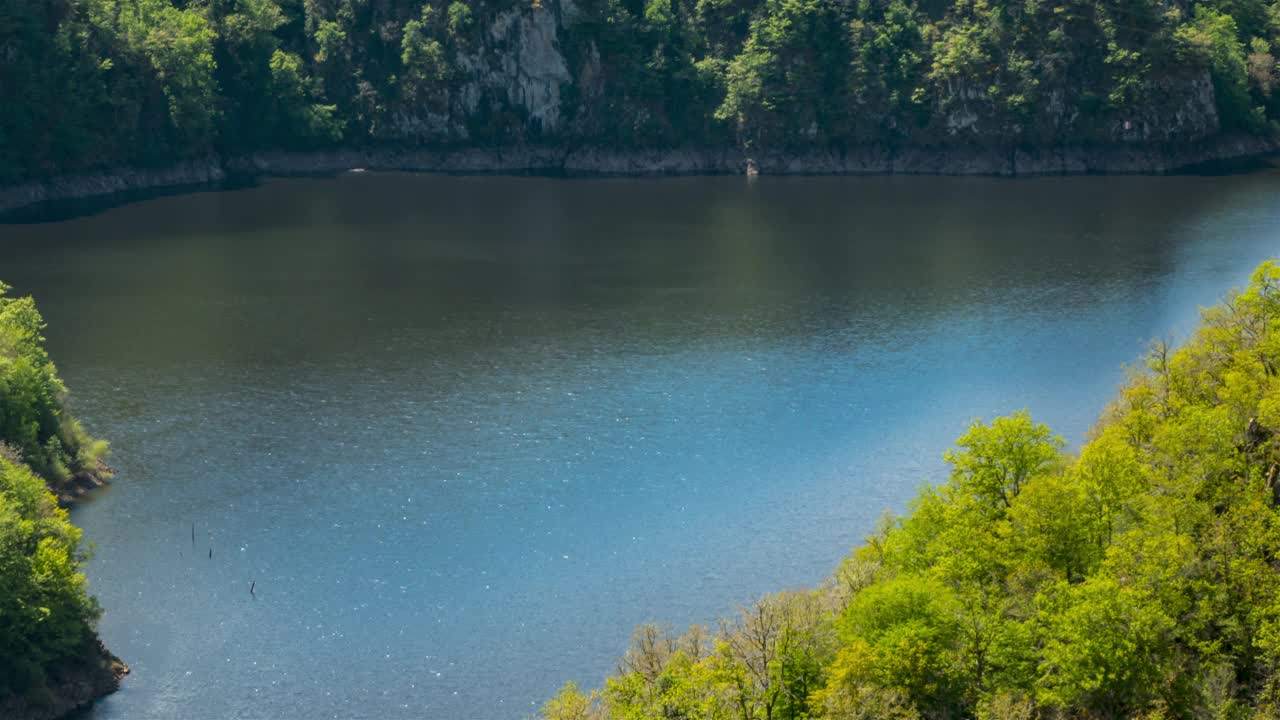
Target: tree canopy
46, 614
1137, 579
35, 427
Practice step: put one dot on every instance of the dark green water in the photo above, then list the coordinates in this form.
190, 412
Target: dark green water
465, 433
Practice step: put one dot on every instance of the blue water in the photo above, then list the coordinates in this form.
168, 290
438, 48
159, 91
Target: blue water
464, 433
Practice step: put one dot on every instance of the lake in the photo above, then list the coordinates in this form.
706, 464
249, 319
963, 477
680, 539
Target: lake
464, 433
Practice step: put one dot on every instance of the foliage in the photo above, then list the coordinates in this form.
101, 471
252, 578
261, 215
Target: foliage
46, 616
1213, 39
1137, 580
148, 82
33, 422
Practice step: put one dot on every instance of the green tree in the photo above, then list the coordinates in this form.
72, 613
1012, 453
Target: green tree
1212, 39
1103, 648
46, 616
178, 44
33, 420
993, 462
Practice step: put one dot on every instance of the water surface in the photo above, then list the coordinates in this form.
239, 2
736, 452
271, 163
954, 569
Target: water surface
465, 433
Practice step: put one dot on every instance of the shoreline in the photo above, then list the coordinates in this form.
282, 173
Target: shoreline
74, 686
77, 486
603, 162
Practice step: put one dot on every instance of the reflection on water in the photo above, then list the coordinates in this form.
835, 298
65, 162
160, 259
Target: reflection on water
464, 433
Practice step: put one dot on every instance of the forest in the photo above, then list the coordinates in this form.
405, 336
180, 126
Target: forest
46, 615
91, 84
1135, 579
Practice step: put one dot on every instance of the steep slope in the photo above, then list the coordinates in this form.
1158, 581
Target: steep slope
633, 85
1140, 579
51, 661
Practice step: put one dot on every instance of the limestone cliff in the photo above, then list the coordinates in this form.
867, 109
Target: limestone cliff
517, 68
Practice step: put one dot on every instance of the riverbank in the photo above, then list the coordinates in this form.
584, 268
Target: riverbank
71, 686
76, 486
868, 160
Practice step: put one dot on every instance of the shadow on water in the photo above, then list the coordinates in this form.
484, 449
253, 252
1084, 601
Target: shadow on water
276, 272
53, 211
1233, 166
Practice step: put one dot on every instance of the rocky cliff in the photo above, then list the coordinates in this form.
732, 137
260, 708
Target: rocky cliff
682, 86
537, 72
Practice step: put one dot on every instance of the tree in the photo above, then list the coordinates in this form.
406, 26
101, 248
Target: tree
33, 421
423, 57
1103, 647
178, 43
786, 85
995, 461
1212, 39
572, 704
45, 613
772, 655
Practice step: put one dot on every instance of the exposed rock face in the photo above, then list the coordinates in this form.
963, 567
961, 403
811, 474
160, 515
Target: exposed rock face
1185, 109
863, 160
73, 685
1182, 109
517, 68
80, 483
533, 74
561, 160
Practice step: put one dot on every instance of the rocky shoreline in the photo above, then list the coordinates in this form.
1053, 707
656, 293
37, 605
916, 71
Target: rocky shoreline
550, 160
72, 686
82, 482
